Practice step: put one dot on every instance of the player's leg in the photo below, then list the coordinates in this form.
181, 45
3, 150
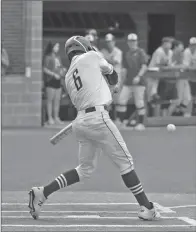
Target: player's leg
152, 89
122, 102
57, 100
139, 99
50, 92
115, 147
187, 99
181, 91
88, 153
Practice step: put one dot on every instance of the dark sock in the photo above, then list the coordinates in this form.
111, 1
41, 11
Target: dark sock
133, 183
141, 119
65, 179
121, 116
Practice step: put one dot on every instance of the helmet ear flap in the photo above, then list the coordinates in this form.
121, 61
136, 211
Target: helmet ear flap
90, 48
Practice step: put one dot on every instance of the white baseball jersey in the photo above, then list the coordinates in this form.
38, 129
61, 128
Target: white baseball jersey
85, 82
189, 58
160, 58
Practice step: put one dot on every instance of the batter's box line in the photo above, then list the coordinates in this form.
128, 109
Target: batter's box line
93, 226
189, 221
98, 217
74, 211
163, 209
73, 203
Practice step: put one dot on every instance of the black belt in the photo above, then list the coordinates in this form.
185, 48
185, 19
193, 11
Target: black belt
92, 109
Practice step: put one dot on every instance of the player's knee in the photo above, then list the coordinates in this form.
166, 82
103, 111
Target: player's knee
85, 171
129, 168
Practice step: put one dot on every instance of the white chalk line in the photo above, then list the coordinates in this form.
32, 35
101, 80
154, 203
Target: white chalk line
97, 226
163, 209
182, 206
75, 211
82, 217
188, 220
74, 203
158, 206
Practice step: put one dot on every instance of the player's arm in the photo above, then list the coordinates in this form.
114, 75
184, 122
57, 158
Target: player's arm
143, 69
186, 58
143, 61
108, 71
156, 59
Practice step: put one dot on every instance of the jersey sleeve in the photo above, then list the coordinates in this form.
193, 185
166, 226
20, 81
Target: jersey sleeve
143, 57
170, 57
105, 67
156, 59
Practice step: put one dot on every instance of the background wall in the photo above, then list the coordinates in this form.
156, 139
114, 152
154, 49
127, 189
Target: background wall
22, 38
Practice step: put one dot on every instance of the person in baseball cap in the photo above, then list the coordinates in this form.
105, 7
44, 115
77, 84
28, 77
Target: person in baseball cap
93, 32
132, 37
92, 36
192, 41
190, 54
110, 41
132, 41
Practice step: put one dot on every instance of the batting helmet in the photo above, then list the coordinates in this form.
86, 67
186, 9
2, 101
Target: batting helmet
77, 43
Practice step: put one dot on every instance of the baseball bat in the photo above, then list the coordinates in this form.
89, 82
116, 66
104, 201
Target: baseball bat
61, 134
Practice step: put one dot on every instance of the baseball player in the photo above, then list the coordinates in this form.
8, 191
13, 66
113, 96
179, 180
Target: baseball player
190, 54
93, 127
182, 85
91, 39
113, 54
135, 62
184, 88
161, 57
92, 36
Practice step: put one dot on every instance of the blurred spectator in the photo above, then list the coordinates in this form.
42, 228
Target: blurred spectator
91, 39
190, 54
4, 61
190, 63
112, 53
53, 72
160, 58
135, 62
182, 85
114, 56
178, 54
92, 36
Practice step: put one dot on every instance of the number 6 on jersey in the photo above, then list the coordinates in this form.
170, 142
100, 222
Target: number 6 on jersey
77, 80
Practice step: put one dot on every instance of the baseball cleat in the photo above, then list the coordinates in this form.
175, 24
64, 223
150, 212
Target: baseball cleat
149, 214
36, 200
